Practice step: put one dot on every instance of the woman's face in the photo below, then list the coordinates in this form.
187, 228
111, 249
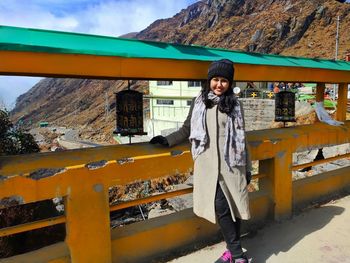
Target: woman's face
219, 85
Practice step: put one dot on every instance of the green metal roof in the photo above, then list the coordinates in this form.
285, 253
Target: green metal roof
35, 40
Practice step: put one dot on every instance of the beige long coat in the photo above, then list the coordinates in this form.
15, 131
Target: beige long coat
210, 168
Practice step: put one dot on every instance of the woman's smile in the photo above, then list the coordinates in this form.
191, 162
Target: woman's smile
219, 85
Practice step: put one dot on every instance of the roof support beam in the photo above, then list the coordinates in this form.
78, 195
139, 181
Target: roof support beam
106, 67
342, 101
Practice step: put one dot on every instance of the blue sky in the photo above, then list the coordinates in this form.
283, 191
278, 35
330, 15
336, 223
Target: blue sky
102, 17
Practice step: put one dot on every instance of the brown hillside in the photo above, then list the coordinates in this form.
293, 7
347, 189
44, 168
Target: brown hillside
293, 27
289, 27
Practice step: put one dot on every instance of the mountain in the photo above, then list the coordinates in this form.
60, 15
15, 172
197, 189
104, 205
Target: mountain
287, 27
84, 104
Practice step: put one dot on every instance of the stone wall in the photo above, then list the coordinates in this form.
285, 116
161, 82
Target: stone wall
259, 113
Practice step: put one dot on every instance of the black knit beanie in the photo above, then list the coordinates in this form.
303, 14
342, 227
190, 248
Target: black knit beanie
221, 68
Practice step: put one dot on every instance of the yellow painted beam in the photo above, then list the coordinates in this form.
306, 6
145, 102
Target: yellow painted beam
338, 157
89, 66
243, 72
31, 226
263, 145
313, 188
56, 253
11, 165
150, 199
342, 101
59, 185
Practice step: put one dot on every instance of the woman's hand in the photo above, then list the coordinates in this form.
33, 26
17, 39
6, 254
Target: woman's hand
250, 187
248, 176
159, 139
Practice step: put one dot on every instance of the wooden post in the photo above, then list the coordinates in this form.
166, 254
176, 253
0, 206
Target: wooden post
88, 225
342, 101
279, 182
320, 88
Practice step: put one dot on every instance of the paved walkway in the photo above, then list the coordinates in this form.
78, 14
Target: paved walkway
317, 235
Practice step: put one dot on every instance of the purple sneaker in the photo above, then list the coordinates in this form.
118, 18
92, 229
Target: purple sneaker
241, 260
225, 258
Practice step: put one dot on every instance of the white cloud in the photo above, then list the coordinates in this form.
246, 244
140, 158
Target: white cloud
29, 15
12, 87
102, 17
121, 17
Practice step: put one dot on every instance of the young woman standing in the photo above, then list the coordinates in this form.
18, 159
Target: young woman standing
215, 128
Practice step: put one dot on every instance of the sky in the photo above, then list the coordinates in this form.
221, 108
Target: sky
101, 17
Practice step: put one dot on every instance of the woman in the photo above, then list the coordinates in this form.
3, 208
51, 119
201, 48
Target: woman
215, 128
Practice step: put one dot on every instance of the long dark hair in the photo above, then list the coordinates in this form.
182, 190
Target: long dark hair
227, 100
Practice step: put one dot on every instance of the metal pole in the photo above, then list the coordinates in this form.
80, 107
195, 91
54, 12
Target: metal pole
337, 39
336, 52
142, 214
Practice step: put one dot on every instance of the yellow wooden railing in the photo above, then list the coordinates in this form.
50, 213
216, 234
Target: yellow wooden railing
89, 237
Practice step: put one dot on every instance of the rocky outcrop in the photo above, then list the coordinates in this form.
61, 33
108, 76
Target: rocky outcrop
299, 29
193, 12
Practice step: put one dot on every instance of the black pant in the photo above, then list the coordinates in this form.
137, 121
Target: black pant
230, 229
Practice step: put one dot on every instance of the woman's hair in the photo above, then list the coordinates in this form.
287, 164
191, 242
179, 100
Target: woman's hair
227, 100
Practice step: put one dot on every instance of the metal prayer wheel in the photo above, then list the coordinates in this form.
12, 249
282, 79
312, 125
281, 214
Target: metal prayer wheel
285, 106
129, 113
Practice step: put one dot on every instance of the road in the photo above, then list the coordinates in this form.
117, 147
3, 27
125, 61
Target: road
69, 138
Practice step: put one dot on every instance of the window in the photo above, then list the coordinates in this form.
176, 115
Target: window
189, 102
194, 83
165, 102
164, 83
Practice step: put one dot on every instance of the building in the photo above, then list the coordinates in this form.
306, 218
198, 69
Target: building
169, 104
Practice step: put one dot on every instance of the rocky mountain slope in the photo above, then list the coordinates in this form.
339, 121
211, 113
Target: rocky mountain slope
288, 27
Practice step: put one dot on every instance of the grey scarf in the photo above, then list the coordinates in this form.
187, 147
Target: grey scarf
234, 148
